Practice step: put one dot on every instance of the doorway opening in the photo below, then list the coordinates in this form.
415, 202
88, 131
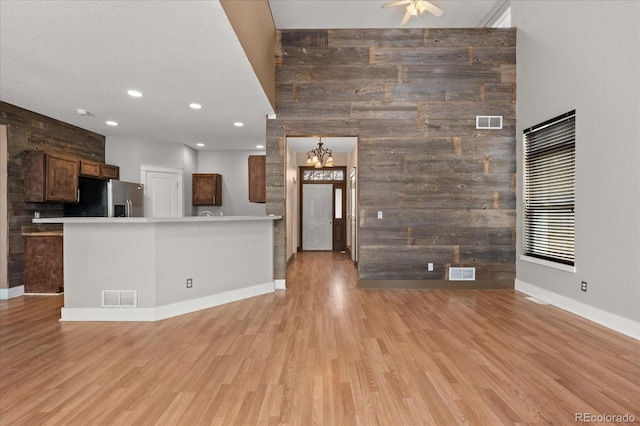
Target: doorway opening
335, 203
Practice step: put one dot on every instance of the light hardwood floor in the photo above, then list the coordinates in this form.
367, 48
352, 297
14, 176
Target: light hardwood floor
321, 352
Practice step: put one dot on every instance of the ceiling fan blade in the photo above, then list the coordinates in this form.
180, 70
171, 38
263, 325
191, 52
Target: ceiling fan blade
396, 3
433, 8
406, 17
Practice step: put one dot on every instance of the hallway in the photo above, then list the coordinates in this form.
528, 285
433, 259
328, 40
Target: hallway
321, 352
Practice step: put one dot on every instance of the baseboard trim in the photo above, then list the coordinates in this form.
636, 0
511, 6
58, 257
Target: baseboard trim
44, 294
10, 293
607, 319
108, 314
165, 311
281, 284
436, 284
291, 259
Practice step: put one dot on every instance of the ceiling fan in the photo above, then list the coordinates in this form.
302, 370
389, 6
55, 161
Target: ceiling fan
415, 8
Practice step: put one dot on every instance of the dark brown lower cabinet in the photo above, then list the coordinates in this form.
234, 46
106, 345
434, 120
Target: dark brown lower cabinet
43, 262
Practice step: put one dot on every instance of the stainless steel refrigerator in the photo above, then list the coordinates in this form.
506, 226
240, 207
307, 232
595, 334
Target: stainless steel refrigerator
112, 198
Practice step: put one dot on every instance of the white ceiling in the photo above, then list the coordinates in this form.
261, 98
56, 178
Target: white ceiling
335, 144
310, 14
57, 56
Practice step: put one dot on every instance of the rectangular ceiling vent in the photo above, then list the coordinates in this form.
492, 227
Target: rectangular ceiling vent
462, 274
488, 122
119, 298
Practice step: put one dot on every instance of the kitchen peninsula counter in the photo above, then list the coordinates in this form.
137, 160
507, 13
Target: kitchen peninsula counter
136, 268
185, 219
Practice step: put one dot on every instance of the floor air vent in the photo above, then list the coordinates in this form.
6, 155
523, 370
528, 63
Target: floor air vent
462, 274
119, 298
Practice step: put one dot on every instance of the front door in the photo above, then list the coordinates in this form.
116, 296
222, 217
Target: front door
317, 230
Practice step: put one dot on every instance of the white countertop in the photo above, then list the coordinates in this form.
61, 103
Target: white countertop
185, 219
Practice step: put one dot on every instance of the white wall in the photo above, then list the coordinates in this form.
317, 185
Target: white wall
575, 55
130, 153
234, 168
190, 166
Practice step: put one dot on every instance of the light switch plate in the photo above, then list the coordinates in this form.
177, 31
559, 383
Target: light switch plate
379, 215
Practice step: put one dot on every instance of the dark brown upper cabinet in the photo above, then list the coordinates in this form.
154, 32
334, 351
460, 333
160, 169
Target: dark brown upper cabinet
89, 168
258, 178
50, 177
107, 171
99, 170
206, 189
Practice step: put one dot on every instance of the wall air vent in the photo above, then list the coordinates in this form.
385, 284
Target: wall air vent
488, 122
119, 298
462, 274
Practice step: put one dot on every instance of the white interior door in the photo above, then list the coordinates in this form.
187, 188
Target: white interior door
163, 194
317, 203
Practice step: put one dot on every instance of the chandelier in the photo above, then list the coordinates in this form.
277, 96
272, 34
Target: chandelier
317, 156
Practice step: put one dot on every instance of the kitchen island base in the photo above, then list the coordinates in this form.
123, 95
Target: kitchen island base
136, 269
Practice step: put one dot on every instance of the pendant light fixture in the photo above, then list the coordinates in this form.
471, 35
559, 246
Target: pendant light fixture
320, 157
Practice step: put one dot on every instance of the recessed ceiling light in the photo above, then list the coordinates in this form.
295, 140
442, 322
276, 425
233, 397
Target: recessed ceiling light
112, 123
238, 124
260, 146
195, 106
199, 144
135, 93
82, 111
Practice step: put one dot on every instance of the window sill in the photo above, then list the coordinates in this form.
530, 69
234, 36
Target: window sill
554, 265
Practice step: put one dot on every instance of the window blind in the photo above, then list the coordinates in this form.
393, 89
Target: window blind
549, 190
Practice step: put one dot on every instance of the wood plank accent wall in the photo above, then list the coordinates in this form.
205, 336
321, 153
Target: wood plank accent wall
27, 131
411, 96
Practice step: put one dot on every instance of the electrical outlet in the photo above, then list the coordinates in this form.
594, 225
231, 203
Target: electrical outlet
379, 215
189, 282
583, 286
430, 267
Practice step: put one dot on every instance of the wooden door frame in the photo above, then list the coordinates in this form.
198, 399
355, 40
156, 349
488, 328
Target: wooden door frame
353, 205
4, 215
343, 182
